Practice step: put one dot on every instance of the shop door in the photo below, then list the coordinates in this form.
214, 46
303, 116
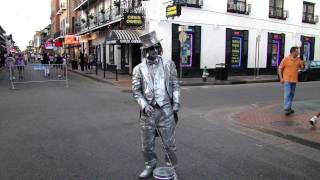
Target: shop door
187, 55
236, 49
307, 48
306, 51
124, 57
275, 52
136, 55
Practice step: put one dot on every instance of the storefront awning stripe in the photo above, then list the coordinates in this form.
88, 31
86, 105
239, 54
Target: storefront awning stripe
123, 37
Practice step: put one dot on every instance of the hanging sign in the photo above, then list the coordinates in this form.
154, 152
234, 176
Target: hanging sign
70, 39
173, 10
132, 19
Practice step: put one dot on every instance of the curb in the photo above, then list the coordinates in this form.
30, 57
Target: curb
186, 83
227, 83
91, 77
290, 137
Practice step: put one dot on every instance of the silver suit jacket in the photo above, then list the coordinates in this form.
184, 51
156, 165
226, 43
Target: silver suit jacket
142, 85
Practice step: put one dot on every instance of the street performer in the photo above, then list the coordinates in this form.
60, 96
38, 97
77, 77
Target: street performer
156, 89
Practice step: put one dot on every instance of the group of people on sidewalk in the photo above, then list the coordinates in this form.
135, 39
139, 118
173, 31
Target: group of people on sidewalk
15, 63
86, 61
288, 73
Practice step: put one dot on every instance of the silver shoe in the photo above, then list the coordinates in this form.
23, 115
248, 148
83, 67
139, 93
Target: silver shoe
147, 172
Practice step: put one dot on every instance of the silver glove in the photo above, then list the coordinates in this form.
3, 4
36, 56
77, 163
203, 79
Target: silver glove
148, 110
176, 107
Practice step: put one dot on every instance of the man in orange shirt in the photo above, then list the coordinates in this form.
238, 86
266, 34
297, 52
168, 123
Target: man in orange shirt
288, 74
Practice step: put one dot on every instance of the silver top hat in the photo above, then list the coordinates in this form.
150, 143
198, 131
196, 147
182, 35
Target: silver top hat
149, 39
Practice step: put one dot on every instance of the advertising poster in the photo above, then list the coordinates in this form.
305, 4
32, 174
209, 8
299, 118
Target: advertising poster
275, 54
236, 52
186, 51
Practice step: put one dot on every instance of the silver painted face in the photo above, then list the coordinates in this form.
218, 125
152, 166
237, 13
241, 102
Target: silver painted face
153, 52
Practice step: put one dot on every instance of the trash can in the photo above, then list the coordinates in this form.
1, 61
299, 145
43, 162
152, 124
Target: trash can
221, 72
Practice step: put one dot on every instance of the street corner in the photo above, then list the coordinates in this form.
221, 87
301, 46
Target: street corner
124, 85
271, 119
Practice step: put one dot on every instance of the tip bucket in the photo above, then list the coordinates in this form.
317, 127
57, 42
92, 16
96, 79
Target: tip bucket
164, 173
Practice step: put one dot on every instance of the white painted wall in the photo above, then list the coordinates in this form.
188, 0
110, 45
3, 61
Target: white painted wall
214, 19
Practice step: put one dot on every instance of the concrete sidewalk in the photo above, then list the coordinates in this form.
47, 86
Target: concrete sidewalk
271, 119
124, 80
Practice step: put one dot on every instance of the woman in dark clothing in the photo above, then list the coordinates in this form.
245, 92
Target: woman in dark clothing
82, 61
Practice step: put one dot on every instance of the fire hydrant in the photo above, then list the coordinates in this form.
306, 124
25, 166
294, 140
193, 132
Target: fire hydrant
205, 74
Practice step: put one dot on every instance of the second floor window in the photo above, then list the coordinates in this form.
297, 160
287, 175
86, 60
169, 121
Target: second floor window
238, 6
308, 12
276, 9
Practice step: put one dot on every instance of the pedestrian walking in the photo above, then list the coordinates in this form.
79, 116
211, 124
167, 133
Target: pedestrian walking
20, 62
86, 61
59, 66
9, 63
157, 92
45, 62
288, 74
82, 61
314, 119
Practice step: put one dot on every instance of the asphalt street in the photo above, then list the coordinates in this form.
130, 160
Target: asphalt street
90, 131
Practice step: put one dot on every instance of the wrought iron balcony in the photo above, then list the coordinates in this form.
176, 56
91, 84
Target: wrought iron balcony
278, 13
102, 17
239, 7
190, 3
310, 18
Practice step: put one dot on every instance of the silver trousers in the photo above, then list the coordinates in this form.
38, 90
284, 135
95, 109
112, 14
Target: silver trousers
163, 119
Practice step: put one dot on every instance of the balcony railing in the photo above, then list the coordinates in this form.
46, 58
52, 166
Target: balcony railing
278, 13
310, 18
109, 15
190, 3
239, 7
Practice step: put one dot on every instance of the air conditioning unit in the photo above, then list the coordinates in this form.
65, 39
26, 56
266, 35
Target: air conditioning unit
286, 14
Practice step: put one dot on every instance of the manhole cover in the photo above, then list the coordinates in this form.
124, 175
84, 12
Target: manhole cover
284, 123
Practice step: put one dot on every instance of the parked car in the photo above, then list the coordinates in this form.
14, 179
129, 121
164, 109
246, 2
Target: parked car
311, 71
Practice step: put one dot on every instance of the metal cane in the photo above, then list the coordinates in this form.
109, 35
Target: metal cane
166, 152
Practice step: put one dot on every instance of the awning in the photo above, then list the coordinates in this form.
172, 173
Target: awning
60, 37
123, 37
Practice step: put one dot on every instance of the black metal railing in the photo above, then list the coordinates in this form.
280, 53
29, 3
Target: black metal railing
104, 16
278, 13
310, 18
239, 7
190, 3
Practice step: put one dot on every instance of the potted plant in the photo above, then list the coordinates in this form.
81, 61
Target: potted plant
116, 3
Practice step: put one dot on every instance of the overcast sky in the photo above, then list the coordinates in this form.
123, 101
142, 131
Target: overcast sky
22, 18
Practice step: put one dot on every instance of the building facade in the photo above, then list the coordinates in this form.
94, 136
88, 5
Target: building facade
104, 34
3, 41
243, 35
